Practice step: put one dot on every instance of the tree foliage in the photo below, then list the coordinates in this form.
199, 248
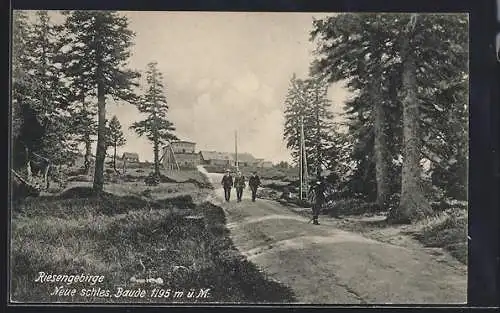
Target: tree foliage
367, 52
153, 103
115, 136
39, 93
307, 101
97, 48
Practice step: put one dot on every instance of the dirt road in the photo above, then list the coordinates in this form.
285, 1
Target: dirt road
324, 265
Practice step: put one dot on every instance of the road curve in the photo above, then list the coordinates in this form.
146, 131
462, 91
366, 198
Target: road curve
324, 265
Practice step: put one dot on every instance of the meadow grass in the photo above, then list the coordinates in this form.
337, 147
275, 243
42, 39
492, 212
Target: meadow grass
125, 236
447, 230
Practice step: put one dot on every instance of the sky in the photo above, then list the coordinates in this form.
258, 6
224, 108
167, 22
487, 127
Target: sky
223, 71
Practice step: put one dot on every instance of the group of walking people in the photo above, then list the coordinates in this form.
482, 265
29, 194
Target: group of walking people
239, 183
316, 192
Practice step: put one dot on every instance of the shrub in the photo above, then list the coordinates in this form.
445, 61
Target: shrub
447, 230
152, 180
81, 178
351, 206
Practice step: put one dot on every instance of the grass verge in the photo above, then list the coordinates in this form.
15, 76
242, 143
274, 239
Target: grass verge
447, 230
127, 239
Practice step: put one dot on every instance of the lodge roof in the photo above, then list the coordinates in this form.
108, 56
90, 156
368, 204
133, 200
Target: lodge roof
215, 155
130, 155
244, 157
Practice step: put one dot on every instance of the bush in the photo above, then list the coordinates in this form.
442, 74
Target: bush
76, 172
278, 187
352, 206
152, 180
215, 168
81, 178
447, 230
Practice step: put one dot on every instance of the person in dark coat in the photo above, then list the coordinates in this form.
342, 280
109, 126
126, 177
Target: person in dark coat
319, 198
239, 184
227, 183
254, 183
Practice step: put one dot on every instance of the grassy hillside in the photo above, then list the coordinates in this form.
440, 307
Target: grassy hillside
128, 235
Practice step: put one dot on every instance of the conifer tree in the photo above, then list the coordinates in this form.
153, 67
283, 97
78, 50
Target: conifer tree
369, 52
97, 50
156, 127
115, 137
307, 100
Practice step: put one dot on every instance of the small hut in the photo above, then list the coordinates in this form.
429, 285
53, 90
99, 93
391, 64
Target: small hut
130, 157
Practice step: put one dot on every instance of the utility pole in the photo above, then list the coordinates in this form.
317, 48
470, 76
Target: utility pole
236, 149
301, 154
318, 135
304, 177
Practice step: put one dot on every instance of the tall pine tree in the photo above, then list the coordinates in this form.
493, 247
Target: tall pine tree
367, 50
156, 127
50, 91
115, 137
97, 49
39, 94
26, 129
413, 203
357, 47
307, 100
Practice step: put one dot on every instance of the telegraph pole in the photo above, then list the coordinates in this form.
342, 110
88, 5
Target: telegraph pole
236, 148
318, 138
304, 162
301, 154
304, 177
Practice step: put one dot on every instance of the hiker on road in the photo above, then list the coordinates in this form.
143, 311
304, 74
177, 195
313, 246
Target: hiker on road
227, 183
318, 192
254, 183
239, 183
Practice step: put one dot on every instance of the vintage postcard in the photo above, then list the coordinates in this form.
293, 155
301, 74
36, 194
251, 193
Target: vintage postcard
238, 158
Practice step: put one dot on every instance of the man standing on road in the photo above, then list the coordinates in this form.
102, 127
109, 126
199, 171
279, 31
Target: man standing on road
239, 183
227, 183
319, 198
254, 183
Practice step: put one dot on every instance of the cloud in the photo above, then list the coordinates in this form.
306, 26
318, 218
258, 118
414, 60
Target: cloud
266, 138
222, 72
247, 84
204, 100
204, 84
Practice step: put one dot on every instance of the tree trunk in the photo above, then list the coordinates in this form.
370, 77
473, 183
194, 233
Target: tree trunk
155, 133
28, 164
156, 147
98, 185
413, 203
156, 158
381, 149
46, 176
88, 153
100, 156
114, 159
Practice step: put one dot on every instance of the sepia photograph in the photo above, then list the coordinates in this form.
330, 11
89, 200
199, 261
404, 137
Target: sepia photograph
249, 158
